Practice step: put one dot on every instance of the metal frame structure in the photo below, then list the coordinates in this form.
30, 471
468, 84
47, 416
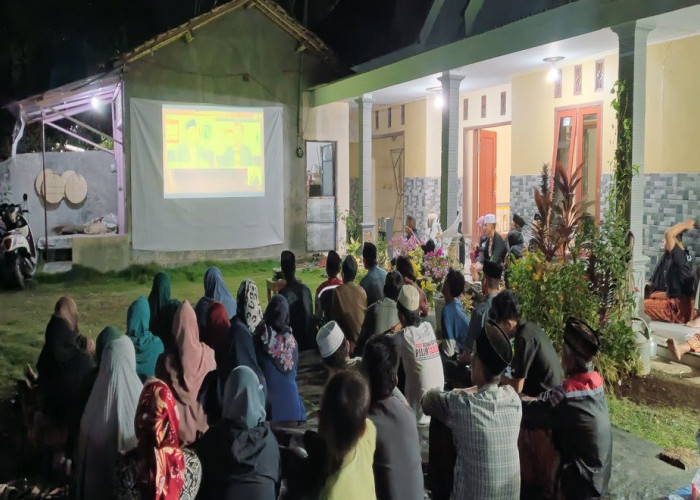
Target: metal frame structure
64, 104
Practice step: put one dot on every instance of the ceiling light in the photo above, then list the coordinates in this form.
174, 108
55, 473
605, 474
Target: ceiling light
96, 103
439, 101
553, 73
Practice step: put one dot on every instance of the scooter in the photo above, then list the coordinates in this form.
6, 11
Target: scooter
18, 256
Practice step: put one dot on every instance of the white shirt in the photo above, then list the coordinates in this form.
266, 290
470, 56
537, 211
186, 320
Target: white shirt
419, 351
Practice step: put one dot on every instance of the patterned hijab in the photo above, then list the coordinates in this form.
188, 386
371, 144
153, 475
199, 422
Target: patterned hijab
275, 334
157, 426
148, 346
67, 309
249, 310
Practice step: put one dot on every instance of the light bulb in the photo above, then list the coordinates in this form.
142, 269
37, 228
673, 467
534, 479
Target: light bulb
439, 101
552, 75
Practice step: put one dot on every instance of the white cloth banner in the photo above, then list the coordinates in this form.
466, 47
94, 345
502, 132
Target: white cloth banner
181, 224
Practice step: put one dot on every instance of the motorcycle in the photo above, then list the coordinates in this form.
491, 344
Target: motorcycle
18, 257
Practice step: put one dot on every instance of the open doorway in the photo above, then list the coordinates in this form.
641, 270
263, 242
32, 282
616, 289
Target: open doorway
389, 173
321, 196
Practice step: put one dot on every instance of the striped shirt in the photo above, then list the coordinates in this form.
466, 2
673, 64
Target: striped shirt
485, 427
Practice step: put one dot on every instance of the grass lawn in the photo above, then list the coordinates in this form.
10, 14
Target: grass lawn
668, 426
103, 300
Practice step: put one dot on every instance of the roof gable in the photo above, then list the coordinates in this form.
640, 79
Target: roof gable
307, 39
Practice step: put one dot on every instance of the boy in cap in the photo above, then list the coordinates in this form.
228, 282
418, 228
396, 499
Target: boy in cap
335, 350
418, 351
485, 423
535, 366
490, 286
349, 303
577, 414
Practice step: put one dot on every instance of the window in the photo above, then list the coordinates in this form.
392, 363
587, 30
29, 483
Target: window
483, 106
578, 79
577, 138
388, 117
465, 109
503, 103
557, 84
376, 119
599, 73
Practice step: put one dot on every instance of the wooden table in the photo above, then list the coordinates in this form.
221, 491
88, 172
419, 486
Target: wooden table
274, 286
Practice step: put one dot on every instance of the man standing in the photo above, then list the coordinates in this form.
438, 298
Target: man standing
373, 282
419, 352
490, 285
577, 413
397, 458
382, 316
535, 366
485, 423
495, 250
298, 295
349, 303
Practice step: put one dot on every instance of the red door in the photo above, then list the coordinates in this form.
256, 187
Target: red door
487, 172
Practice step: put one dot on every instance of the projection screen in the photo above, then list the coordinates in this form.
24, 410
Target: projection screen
205, 177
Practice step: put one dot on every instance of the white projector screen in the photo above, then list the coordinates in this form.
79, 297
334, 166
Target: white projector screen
205, 177
212, 151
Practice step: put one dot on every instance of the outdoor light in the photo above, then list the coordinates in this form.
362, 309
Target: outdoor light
96, 103
439, 101
553, 73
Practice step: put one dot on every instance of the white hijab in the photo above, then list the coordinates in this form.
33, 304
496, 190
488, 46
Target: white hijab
107, 426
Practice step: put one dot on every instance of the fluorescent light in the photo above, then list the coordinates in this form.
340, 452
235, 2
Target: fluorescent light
76, 149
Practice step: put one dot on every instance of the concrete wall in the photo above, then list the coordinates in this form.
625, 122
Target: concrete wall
240, 59
99, 171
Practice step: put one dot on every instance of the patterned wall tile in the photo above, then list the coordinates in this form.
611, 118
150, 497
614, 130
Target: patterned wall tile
354, 194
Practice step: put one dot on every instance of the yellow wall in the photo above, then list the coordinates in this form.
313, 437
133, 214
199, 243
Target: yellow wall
433, 138
354, 160
673, 107
534, 108
415, 138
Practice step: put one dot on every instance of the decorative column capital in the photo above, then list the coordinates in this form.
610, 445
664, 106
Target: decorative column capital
365, 101
633, 29
450, 78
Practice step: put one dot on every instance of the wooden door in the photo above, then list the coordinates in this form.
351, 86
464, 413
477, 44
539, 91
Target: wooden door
588, 156
487, 172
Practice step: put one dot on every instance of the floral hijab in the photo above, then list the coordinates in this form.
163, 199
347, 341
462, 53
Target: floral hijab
249, 310
275, 335
157, 426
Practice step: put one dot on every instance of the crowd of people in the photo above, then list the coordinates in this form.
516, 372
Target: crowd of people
202, 402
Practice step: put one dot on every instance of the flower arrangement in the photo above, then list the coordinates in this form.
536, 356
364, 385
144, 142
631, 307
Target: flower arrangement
398, 245
436, 265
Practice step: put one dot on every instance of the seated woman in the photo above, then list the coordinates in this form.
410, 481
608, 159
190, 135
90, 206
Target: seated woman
670, 296
278, 356
148, 346
240, 456
64, 371
243, 324
158, 300
350, 437
184, 368
215, 290
405, 267
216, 336
107, 426
157, 467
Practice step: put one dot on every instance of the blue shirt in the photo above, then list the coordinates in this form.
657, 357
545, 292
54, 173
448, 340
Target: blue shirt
456, 323
479, 316
373, 284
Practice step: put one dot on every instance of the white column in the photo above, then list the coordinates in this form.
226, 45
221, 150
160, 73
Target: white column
450, 139
366, 188
632, 41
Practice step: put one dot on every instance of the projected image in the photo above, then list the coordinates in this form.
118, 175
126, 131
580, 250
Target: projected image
213, 151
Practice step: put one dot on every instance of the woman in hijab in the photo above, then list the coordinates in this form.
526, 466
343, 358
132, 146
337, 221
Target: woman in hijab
214, 290
240, 456
105, 337
278, 355
64, 370
107, 426
184, 368
216, 336
67, 309
148, 347
157, 300
157, 468
248, 316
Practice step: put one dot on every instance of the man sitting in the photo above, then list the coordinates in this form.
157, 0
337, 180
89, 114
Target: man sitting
485, 423
670, 296
577, 414
490, 285
494, 249
397, 458
373, 282
381, 316
419, 352
349, 303
324, 292
300, 303
535, 365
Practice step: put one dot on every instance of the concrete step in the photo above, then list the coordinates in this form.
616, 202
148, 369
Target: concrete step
57, 267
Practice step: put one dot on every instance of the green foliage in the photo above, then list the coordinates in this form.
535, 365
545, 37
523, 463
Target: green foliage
382, 252
352, 224
353, 246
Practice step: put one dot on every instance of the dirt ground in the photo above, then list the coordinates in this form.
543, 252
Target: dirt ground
661, 389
